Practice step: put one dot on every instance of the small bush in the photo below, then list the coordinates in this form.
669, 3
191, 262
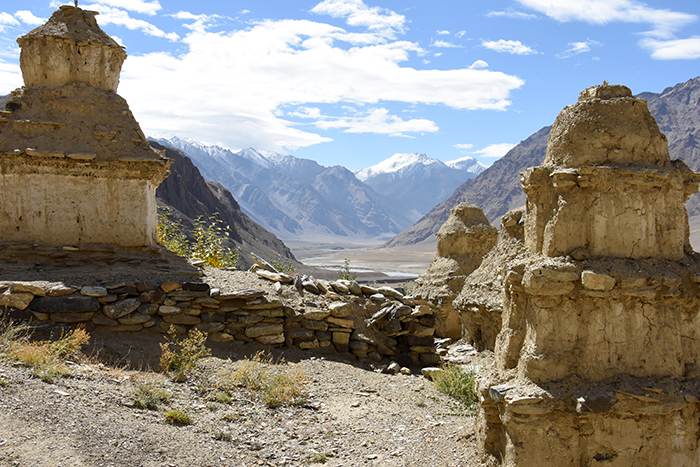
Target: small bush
170, 233
231, 417
456, 382
266, 379
222, 397
147, 395
177, 417
4, 383
181, 357
317, 458
344, 272
222, 436
281, 266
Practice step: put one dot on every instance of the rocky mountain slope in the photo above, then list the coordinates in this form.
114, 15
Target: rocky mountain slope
417, 181
297, 198
497, 189
190, 195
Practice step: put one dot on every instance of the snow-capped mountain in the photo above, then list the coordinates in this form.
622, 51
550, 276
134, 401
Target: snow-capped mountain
417, 181
294, 197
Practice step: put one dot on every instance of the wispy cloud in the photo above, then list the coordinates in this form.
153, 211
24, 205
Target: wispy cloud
7, 19
137, 6
495, 151
443, 33
463, 146
510, 14
120, 17
678, 49
200, 22
378, 121
511, 47
444, 44
576, 48
479, 64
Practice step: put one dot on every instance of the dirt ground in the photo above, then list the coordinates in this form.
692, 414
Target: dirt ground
352, 416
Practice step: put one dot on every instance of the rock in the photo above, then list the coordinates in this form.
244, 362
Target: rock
405, 371
430, 372
274, 276
420, 331
71, 318
220, 337
340, 287
422, 310
19, 300
196, 286
101, 320
430, 359
121, 308
26, 288
307, 344
390, 292
340, 309
263, 264
136, 318
40, 316
164, 328
596, 281
352, 286
93, 291
61, 291
298, 283
316, 315
210, 328
315, 325
263, 305
265, 330
148, 309
63, 304
126, 328
368, 290
392, 327
271, 340
250, 319
182, 319
168, 310
358, 345
109, 298
323, 286
342, 338
393, 368
170, 286
299, 333
343, 323
310, 286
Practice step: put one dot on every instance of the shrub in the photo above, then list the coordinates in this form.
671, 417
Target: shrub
147, 395
177, 417
222, 436
170, 233
456, 382
281, 266
344, 272
181, 357
266, 379
222, 397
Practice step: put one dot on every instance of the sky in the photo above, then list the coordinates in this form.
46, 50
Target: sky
351, 82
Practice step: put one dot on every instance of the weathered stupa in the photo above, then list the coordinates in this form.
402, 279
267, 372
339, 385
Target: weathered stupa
598, 355
75, 167
462, 242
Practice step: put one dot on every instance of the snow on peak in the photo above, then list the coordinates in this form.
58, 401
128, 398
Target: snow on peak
261, 157
394, 164
467, 163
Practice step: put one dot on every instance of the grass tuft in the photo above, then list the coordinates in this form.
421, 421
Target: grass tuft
177, 417
222, 435
180, 357
147, 395
457, 382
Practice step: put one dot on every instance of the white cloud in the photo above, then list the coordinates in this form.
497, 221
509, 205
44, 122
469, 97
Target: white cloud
576, 48
201, 22
28, 17
7, 19
663, 22
679, 49
444, 44
438, 54
137, 6
109, 15
463, 146
460, 34
495, 151
443, 32
510, 14
357, 13
231, 85
244, 12
479, 64
511, 47
378, 121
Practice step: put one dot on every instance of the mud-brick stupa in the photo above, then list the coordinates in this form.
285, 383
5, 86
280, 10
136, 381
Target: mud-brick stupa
75, 167
597, 361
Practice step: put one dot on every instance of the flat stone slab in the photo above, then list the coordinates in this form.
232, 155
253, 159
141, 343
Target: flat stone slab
65, 304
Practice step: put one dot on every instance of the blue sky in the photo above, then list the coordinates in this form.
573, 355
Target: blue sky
352, 82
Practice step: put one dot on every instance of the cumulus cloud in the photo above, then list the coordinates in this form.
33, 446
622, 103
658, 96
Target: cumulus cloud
678, 49
479, 64
28, 17
7, 19
495, 151
119, 17
356, 13
576, 48
233, 86
511, 47
200, 22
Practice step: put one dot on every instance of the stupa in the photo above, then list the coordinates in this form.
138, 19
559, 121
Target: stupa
75, 167
597, 361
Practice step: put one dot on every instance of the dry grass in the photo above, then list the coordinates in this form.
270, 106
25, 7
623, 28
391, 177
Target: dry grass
46, 359
276, 384
177, 417
457, 382
148, 395
180, 357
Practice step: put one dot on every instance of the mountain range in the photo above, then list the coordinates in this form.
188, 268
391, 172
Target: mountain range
497, 189
297, 198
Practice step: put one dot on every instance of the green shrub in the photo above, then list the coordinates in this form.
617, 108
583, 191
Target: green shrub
222, 436
177, 417
170, 233
181, 357
344, 272
456, 382
281, 266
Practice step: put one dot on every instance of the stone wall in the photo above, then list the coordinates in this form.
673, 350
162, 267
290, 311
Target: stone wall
339, 316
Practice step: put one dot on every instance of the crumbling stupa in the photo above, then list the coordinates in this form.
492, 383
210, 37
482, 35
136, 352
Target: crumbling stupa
462, 242
75, 168
597, 359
